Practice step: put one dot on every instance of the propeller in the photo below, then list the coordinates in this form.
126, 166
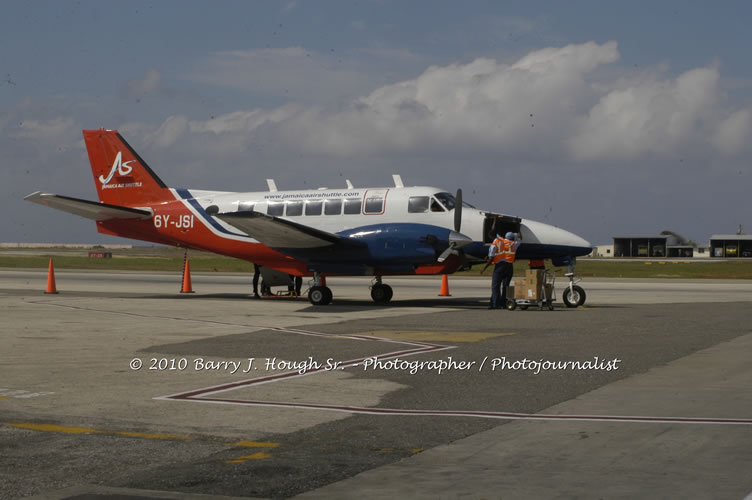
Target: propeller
458, 211
457, 240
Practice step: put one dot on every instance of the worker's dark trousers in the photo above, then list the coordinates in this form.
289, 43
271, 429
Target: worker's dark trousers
507, 279
502, 276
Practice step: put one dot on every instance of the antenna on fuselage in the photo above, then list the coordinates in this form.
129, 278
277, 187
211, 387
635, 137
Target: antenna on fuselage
349, 184
397, 181
272, 185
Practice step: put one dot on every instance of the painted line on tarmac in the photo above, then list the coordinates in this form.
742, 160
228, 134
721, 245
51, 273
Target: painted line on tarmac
199, 394
477, 414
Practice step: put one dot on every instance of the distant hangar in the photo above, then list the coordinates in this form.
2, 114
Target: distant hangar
671, 245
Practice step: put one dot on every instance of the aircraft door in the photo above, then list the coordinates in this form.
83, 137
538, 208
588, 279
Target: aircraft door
374, 201
499, 224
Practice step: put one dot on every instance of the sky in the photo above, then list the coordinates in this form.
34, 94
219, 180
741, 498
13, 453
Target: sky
604, 118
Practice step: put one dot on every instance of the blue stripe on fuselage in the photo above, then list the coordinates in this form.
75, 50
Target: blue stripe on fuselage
187, 196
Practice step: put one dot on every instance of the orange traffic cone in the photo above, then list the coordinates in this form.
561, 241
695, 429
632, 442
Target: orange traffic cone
444, 286
51, 279
187, 287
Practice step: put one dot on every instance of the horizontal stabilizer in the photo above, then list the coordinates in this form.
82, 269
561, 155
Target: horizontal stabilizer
275, 232
90, 209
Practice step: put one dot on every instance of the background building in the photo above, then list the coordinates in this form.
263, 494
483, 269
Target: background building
672, 245
731, 245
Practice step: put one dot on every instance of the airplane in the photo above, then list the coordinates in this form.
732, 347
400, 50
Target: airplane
351, 231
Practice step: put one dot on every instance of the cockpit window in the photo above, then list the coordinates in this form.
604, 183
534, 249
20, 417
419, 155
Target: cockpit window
436, 206
446, 199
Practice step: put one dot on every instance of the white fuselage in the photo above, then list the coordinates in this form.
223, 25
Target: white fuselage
369, 206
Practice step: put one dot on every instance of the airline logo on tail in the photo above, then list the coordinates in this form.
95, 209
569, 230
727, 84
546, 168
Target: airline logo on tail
122, 169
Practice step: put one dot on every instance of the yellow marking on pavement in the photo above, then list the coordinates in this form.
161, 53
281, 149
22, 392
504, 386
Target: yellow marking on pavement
415, 451
86, 430
648, 263
452, 337
261, 455
153, 436
56, 428
256, 456
256, 444
3, 397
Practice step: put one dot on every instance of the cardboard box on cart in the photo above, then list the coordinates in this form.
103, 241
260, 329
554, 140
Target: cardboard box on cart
531, 286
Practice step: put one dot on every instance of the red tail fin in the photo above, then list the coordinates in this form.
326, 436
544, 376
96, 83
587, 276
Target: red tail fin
120, 175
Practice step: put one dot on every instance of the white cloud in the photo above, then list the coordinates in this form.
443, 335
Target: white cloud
654, 116
170, 131
734, 132
46, 129
480, 104
549, 105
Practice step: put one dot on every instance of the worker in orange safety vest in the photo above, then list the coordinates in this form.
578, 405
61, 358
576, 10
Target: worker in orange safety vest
502, 254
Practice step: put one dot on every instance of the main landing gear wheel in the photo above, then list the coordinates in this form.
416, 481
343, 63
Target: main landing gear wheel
381, 293
574, 296
319, 295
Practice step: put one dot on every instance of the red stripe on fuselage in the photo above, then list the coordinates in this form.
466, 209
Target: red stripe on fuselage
174, 224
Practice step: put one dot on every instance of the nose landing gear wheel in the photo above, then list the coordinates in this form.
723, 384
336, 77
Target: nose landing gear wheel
319, 295
574, 297
381, 293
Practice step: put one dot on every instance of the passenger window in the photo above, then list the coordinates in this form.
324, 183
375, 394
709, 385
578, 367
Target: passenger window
245, 206
333, 207
294, 208
313, 207
417, 204
352, 206
275, 208
436, 206
374, 205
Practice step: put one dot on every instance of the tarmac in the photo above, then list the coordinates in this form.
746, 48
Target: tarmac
121, 386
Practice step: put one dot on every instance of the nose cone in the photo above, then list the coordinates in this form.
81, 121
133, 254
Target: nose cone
538, 232
572, 239
459, 240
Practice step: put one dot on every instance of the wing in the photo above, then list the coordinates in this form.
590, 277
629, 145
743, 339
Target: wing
275, 232
90, 209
